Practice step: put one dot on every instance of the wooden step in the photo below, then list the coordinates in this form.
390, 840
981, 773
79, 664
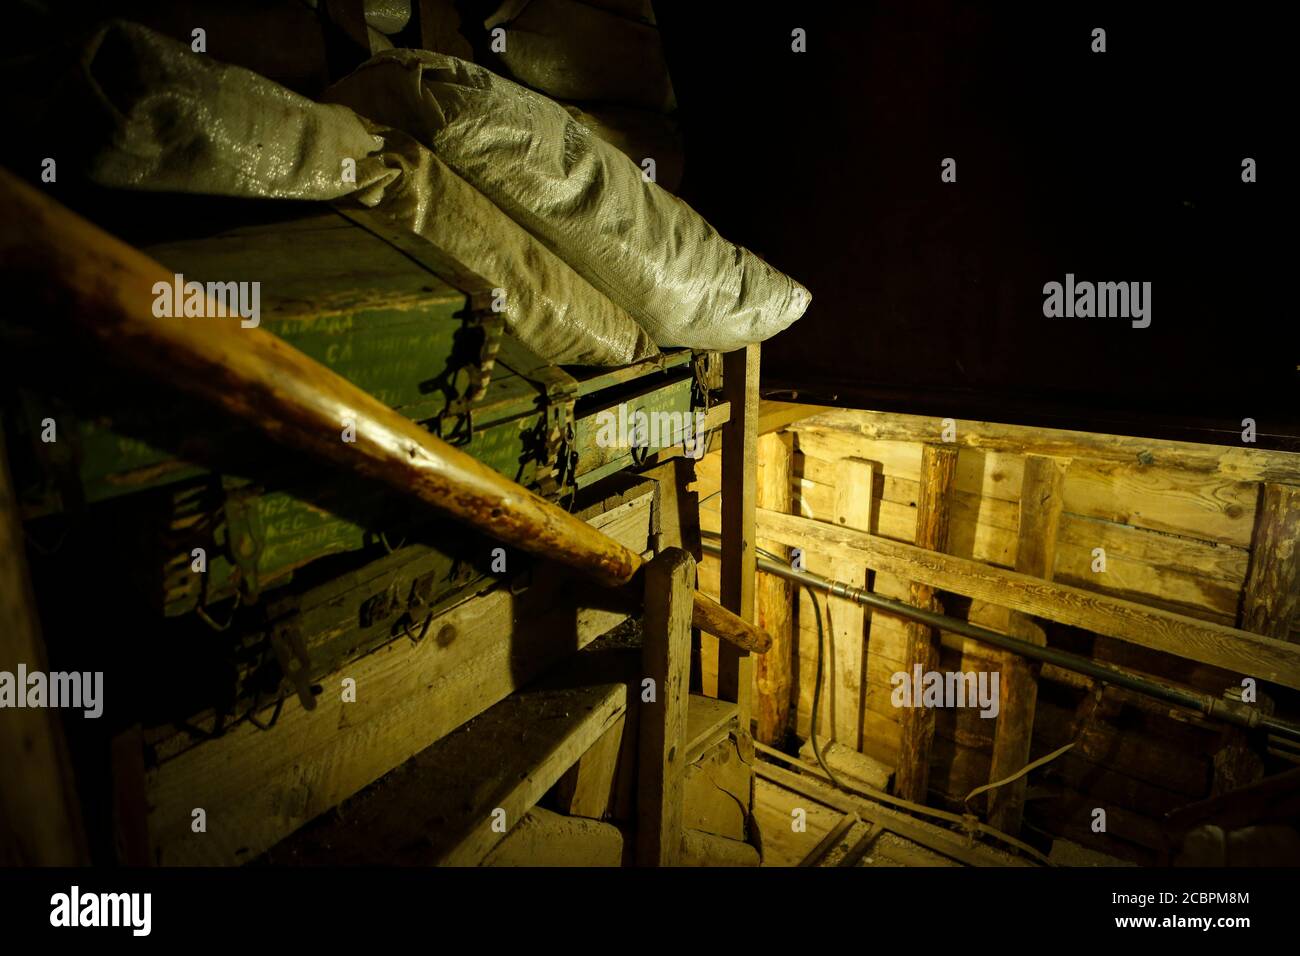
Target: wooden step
442, 806
708, 721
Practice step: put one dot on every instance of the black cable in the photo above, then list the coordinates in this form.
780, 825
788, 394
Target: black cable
817, 689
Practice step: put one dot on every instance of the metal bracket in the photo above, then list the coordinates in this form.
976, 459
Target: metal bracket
295, 662
245, 538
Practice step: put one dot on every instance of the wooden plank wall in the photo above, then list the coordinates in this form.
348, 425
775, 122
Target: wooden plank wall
1178, 525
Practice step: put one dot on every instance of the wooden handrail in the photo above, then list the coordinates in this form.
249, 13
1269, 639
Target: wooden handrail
101, 287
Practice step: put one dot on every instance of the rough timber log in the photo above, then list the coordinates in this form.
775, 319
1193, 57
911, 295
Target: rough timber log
104, 289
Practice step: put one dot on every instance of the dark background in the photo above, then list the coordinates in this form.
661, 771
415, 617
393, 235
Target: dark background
1116, 166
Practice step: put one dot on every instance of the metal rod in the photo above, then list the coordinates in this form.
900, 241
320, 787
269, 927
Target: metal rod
1224, 709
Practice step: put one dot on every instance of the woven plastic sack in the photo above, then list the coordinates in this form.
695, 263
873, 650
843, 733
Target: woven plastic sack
642, 247
639, 135
181, 122
552, 309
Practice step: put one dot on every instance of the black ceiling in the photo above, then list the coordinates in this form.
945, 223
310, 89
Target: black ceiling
1115, 166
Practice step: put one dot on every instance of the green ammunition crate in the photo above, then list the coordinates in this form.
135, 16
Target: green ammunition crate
203, 512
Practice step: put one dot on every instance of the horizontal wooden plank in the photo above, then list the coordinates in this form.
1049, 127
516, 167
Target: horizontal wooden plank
708, 720
453, 802
258, 786
1235, 650
1202, 505
1241, 463
774, 416
1191, 576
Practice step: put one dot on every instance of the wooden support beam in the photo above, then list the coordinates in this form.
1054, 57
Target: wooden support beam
1272, 591
848, 685
774, 671
587, 789
1040, 514
1236, 461
1233, 649
669, 582
916, 723
40, 816
774, 416
1268, 606
739, 493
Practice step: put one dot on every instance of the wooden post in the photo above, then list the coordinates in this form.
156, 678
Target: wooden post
1268, 606
853, 491
739, 489
1041, 499
1272, 590
933, 507
666, 656
40, 817
773, 671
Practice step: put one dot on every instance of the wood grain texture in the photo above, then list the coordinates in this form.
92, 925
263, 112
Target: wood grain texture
1230, 648
1041, 502
847, 674
258, 786
666, 656
773, 676
1196, 577
1272, 591
1241, 463
916, 723
40, 814
740, 371
587, 788
102, 287
456, 800
543, 838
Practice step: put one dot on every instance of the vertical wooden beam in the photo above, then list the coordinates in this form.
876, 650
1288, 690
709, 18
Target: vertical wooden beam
130, 801
666, 651
773, 671
1041, 498
739, 493
1272, 589
1268, 606
853, 490
40, 817
916, 723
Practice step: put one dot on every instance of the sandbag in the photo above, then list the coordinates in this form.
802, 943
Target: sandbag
182, 122
642, 247
639, 135
573, 51
548, 306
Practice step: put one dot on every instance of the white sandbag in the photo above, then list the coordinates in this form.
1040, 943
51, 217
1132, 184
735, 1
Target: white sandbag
646, 250
639, 135
183, 122
551, 309
574, 51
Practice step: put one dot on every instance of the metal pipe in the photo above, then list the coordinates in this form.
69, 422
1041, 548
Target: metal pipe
1232, 711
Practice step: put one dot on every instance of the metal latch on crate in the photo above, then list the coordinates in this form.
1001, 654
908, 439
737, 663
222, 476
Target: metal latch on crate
559, 457
295, 662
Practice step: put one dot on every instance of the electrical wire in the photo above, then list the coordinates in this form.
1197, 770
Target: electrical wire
817, 689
